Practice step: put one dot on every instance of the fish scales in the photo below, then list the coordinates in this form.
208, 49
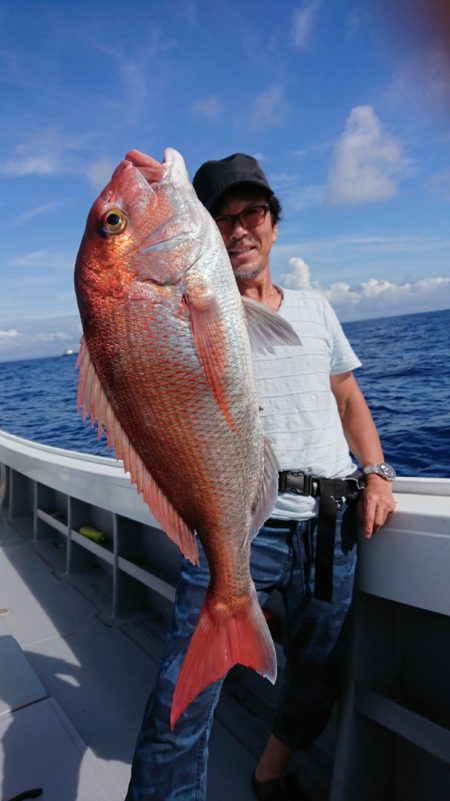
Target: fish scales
165, 367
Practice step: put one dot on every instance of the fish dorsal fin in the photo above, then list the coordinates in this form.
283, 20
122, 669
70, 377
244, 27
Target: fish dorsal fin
210, 344
267, 328
269, 489
93, 401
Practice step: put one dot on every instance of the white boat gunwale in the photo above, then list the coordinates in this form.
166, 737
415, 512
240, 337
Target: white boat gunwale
403, 571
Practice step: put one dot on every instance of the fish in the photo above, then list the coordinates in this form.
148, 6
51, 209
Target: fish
165, 369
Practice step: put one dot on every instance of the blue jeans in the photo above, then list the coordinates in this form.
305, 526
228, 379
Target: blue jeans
171, 765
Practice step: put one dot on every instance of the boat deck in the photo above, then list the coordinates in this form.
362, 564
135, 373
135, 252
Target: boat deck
74, 683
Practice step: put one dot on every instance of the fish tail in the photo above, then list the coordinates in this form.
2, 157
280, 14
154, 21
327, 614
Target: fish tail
224, 638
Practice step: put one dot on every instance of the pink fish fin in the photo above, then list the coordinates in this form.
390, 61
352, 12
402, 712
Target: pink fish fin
169, 519
268, 491
211, 345
223, 638
93, 401
267, 328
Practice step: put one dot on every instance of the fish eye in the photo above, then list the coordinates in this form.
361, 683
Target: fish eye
114, 221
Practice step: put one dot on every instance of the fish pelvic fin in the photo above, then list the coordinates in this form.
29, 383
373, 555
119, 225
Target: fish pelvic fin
93, 402
267, 328
223, 638
210, 344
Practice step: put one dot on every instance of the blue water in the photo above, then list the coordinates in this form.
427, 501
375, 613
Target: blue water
405, 378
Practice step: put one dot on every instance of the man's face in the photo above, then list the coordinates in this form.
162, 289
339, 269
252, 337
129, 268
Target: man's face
248, 247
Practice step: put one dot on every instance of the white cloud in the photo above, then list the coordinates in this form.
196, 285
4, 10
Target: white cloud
33, 338
6, 336
45, 164
54, 336
420, 87
270, 109
41, 155
303, 20
374, 297
45, 153
299, 276
134, 68
210, 107
365, 160
46, 258
42, 209
37, 258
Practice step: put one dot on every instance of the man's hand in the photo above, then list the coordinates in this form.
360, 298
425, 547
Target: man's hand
376, 504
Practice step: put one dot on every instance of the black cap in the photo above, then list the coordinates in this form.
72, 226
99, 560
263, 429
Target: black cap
214, 178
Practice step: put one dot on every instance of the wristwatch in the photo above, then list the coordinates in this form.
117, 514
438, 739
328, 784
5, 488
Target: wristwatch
385, 470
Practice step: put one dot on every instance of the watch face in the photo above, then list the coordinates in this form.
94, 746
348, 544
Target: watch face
387, 470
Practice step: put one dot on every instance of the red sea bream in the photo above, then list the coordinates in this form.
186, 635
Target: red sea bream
165, 367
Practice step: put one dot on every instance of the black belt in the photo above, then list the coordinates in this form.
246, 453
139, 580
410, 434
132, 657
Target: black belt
314, 486
331, 493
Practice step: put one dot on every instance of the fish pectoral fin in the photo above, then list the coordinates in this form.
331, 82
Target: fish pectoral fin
267, 328
93, 401
268, 491
210, 344
223, 638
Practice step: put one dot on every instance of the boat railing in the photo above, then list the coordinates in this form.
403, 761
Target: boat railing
395, 718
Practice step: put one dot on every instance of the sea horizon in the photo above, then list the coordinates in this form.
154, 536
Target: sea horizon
75, 345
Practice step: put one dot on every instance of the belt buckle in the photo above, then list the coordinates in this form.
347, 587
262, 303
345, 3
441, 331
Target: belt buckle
306, 490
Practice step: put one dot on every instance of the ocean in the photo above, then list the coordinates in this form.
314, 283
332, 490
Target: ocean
405, 378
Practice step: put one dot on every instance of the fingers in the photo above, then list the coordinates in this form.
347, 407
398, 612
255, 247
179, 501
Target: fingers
377, 508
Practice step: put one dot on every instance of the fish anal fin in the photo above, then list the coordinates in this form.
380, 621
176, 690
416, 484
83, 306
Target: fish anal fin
94, 403
221, 640
210, 344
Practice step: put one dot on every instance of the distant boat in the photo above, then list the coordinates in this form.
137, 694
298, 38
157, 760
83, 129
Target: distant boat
68, 352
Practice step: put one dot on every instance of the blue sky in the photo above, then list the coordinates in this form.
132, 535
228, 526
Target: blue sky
347, 109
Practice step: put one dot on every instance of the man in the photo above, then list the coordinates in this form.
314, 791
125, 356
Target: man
313, 412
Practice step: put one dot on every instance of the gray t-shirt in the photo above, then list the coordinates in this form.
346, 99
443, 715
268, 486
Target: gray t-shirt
299, 411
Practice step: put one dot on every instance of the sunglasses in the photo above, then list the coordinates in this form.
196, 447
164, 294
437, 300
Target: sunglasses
248, 218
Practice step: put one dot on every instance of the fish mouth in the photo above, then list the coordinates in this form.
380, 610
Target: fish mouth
172, 169
153, 171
